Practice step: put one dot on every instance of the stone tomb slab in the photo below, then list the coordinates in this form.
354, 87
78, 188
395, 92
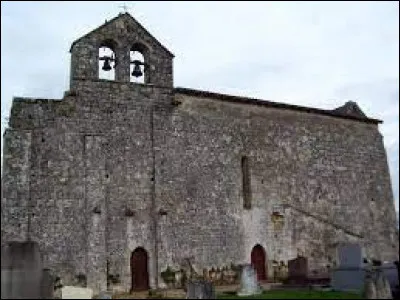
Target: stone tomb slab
74, 292
350, 274
350, 256
200, 289
298, 270
348, 279
391, 273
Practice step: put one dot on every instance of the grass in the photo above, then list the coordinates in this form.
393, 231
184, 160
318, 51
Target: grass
270, 294
295, 294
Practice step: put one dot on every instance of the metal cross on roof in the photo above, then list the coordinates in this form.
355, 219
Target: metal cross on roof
124, 7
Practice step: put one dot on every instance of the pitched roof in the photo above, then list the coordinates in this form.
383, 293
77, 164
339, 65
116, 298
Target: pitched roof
350, 108
338, 112
113, 20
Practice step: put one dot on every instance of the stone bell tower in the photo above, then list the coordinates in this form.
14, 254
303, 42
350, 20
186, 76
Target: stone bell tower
114, 117
122, 35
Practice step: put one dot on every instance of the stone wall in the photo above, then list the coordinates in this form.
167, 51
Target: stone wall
15, 187
330, 175
113, 156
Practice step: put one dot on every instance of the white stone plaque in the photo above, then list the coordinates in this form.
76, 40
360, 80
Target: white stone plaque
74, 292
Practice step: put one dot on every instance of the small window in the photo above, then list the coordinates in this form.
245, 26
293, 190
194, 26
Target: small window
246, 183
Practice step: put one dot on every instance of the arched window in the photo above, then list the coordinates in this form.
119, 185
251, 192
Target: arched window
138, 67
107, 60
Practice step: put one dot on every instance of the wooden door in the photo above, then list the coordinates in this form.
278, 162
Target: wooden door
258, 262
139, 270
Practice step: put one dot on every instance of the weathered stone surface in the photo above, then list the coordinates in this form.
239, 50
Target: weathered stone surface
75, 167
123, 33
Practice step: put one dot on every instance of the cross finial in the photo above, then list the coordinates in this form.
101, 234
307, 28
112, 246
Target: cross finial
124, 7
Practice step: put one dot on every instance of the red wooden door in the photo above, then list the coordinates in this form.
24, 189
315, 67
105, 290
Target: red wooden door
258, 262
140, 275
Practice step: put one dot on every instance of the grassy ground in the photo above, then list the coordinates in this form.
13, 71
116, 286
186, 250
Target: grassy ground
293, 294
268, 294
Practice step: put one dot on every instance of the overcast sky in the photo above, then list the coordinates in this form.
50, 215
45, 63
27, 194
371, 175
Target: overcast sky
318, 54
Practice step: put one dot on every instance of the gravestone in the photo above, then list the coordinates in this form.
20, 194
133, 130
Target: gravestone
74, 292
387, 289
350, 255
47, 285
200, 289
396, 288
298, 270
103, 295
22, 273
369, 288
391, 273
382, 286
248, 282
350, 274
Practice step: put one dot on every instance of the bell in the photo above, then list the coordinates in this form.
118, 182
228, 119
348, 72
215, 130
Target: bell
106, 66
137, 72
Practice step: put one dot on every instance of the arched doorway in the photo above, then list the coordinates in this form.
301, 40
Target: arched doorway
139, 270
258, 262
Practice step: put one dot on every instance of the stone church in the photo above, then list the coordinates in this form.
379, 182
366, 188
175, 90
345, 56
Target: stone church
124, 178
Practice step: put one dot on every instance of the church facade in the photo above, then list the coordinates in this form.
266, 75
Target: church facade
123, 179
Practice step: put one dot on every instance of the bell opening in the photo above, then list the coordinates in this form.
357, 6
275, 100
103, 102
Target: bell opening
137, 69
106, 63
